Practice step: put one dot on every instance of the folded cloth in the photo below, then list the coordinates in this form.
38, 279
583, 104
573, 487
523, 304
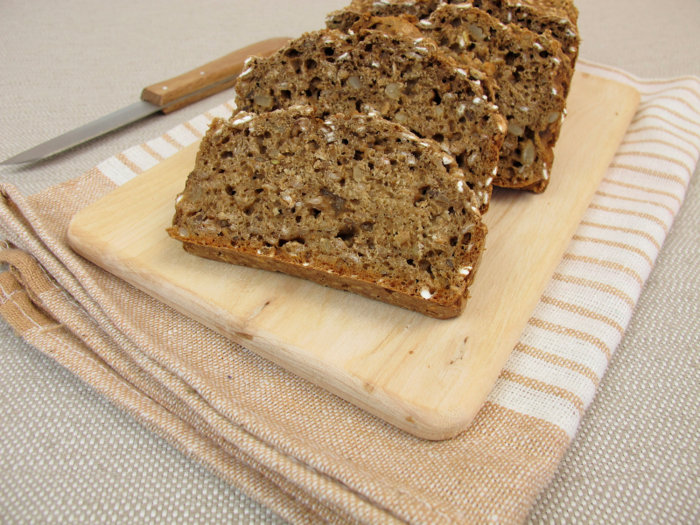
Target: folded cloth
303, 452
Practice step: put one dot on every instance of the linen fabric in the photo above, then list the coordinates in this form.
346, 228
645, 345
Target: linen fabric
303, 452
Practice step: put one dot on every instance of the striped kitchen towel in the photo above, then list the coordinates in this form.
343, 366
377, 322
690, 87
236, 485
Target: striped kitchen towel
300, 450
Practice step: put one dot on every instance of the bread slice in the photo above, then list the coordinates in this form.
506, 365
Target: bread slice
532, 77
355, 203
400, 76
560, 17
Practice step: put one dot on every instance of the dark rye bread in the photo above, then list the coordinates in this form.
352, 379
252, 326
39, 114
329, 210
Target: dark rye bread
355, 203
400, 76
539, 16
532, 78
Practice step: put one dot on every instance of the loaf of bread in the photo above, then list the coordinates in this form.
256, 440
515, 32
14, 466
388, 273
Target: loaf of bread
560, 17
395, 73
356, 203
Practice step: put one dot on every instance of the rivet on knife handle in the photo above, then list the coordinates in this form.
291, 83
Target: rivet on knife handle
208, 79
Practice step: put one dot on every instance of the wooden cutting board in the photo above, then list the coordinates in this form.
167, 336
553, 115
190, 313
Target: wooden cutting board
428, 377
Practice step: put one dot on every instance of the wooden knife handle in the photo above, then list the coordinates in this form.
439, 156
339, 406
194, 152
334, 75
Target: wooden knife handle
204, 81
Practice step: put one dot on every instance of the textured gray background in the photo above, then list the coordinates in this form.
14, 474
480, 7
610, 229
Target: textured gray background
68, 456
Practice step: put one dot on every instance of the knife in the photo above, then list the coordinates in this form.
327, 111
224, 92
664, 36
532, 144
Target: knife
166, 96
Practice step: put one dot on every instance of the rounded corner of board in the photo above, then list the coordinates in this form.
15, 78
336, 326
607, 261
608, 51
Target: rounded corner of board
73, 233
436, 426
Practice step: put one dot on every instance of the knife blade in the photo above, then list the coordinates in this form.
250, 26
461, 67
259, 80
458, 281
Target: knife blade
166, 96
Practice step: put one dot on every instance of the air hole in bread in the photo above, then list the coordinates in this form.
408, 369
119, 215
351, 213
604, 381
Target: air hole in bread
425, 265
347, 234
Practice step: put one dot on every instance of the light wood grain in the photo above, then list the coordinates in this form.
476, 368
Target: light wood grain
208, 79
426, 376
